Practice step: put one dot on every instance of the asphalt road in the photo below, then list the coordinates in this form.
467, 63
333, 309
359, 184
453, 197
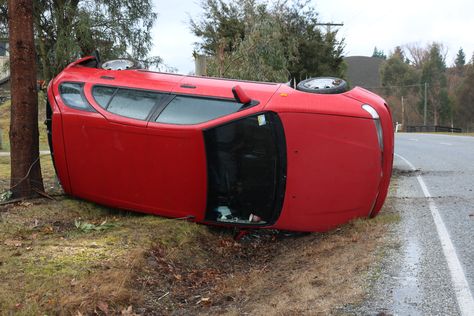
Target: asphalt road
430, 271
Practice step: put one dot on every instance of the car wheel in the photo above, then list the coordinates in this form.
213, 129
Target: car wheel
323, 85
120, 64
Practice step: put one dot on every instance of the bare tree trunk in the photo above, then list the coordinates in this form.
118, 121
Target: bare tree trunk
26, 177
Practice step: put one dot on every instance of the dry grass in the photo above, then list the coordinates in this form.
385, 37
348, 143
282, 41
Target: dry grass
312, 275
49, 265
162, 266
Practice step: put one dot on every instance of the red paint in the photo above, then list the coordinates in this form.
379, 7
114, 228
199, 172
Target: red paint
335, 170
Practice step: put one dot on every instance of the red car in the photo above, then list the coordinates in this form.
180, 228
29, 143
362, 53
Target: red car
218, 151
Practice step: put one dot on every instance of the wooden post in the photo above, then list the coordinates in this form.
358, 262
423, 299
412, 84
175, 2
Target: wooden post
403, 115
200, 65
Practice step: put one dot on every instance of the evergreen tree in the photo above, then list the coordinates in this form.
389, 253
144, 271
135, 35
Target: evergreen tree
434, 74
397, 75
290, 43
68, 29
378, 53
465, 98
460, 60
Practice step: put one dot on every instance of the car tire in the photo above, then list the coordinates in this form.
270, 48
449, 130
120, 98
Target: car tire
120, 64
323, 85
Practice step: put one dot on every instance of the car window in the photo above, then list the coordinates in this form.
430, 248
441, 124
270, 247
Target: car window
192, 110
71, 93
102, 95
132, 103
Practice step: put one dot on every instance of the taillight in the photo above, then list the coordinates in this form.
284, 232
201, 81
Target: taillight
378, 124
72, 94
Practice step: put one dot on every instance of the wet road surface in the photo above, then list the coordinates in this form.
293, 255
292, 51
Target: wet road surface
430, 270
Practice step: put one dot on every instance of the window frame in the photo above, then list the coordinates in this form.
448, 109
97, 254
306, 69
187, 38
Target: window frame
117, 88
161, 105
194, 96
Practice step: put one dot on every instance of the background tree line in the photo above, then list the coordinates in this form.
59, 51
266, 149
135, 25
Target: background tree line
65, 30
267, 41
449, 89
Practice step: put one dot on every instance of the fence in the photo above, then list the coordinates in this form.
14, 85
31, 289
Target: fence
432, 129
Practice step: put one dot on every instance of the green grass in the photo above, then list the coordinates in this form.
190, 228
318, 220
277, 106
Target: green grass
5, 123
50, 264
42, 253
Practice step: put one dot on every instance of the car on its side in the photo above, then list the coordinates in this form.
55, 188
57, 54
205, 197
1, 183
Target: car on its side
218, 151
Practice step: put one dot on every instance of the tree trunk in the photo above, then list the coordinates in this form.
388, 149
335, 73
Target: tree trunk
26, 177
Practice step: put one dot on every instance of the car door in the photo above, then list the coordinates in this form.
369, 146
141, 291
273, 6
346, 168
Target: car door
106, 147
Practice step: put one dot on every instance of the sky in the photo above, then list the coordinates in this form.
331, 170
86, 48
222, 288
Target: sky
367, 24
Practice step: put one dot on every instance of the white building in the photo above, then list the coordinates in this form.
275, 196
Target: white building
4, 69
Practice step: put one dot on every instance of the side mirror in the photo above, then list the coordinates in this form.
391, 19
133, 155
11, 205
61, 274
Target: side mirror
240, 95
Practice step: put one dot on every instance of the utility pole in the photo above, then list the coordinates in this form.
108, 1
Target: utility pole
425, 105
329, 25
403, 115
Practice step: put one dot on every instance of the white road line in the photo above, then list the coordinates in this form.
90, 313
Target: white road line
460, 284
447, 144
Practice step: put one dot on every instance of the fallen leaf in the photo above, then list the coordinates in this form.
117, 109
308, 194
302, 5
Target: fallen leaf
13, 243
48, 229
128, 312
104, 307
204, 300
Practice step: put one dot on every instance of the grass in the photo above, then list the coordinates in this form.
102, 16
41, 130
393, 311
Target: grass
54, 266
5, 123
68, 256
50, 265
71, 257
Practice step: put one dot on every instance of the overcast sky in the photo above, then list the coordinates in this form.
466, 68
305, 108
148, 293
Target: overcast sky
367, 23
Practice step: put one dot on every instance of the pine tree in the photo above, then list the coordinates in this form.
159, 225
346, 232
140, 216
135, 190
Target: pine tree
378, 53
68, 29
434, 74
460, 60
263, 41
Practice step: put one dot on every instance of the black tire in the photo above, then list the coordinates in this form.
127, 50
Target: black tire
323, 85
120, 64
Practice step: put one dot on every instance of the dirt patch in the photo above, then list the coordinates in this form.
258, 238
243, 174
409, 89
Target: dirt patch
268, 273
405, 173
